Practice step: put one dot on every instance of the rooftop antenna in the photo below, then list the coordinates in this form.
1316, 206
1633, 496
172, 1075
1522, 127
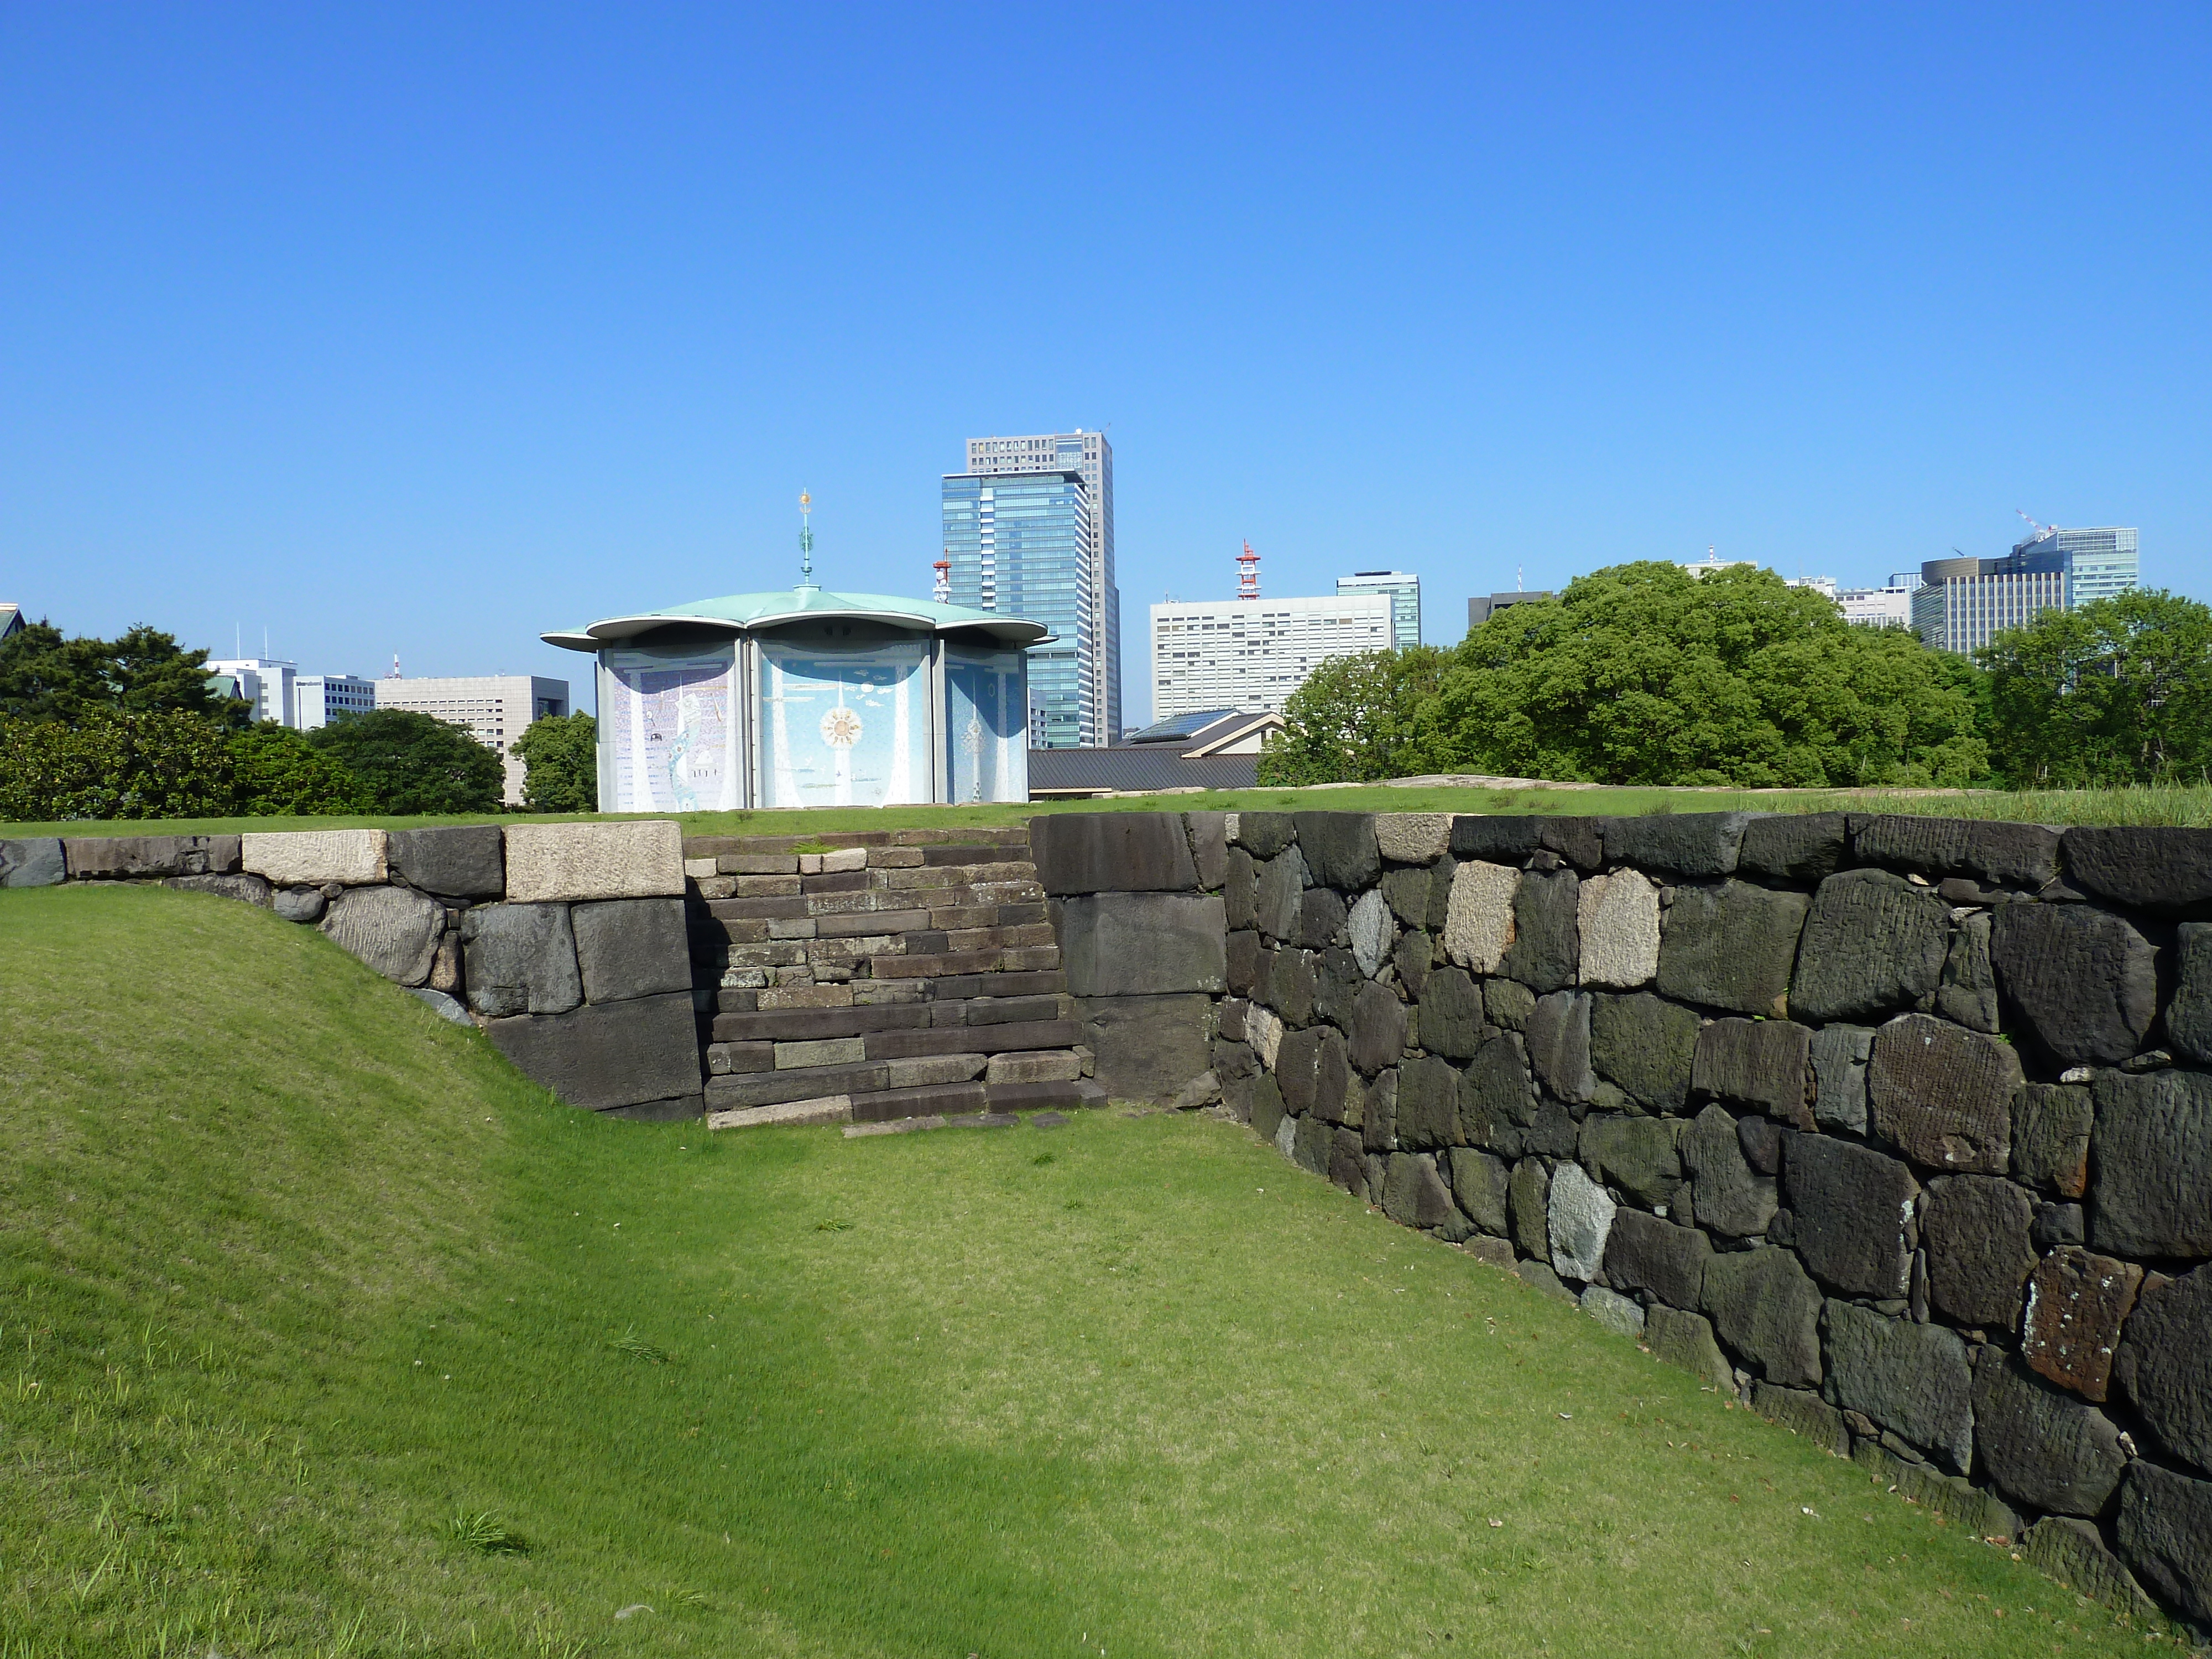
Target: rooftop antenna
1519, 586
806, 540
395, 673
1248, 573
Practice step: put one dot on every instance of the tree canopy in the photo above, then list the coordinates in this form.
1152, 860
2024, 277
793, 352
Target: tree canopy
562, 754
114, 764
45, 676
1352, 720
276, 772
410, 762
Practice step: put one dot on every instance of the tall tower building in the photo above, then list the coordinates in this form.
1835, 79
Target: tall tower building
2097, 563
1089, 459
1405, 591
1018, 543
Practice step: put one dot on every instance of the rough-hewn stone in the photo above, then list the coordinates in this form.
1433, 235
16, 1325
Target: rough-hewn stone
630, 859
2165, 1363
1644, 1044
137, 858
1645, 1253
2051, 1124
1241, 961
1413, 837
1687, 1340
461, 860
1910, 1378
1725, 1195
2164, 1532
1803, 1414
1695, 845
2188, 1016
1415, 1195
2074, 1552
1496, 838
2012, 854
2078, 1302
1378, 1112
1278, 894
1618, 921
2146, 867
1968, 992
1559, 1038
1411, 958
1263, 1029
312, 858
2085, 980
1312, 1141
1320, 918
1839, 1055
1267, 1106
1378, 1028
609, 1054
1428, 1104
1371, 931
1451, 1014
1612, 1311
2150, 1188
1406, 893
1286, 983
1943, 1095
299, 903
1337, 987
34, 862
1853, 1210
248, 889
1478, 917
1106, 852
1765, 1307
1730, 947
2042, 1447
1336, 1091
1874, 943
1240, 891
1546, 950
1480, 1182
1642, 1156
631, 948
1295, 1059
1265, 834
1143, 944
1147, 1047
1348, 1164
394, 929
1976, 1230
1527, 1203
521, 959
1760, 1063
1795, 848
1579, 1214
1340, 848
1497, 1090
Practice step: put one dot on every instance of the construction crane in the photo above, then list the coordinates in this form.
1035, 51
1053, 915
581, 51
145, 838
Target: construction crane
1248, 573
2040, 529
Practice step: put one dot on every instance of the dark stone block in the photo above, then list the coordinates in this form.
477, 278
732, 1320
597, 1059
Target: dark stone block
2011, 854
1768, 1311
2166, 1364
521, 959
248, 890
2188, 1016
734, 1091
631, 948
38, 862
1550, 1133
1508, 1004
1968, 992
1695, 845
1347, 1164
2148, 868
1761, 1139
1942, 1095
2150, 1187
1143, 944
1340, 848
614, 1054
1641, 1155
1580, 841
1267, 1106
1851, 1208
1804, 1414
1112, 853
1415, 1195
1687, 1340
2074, 1552
1311, 1143
1559, 1039
2086, 981
2042, 1447
1451, 1014
1874, 943
1498, 1091
1240, 891
1496, 839
1910, 1378
1428, 1113
141, 858
1645, 1044
463, 860
1278, 894
1527, 1203
1765, 1064
681, 1109
1406, 890
1546, 946
1411, 955
1209, 847
921, 1100
2059, 1224
1480, 1183
1839, 1055
1798, 848
1976, 1231
1440, 885
1335, 1085
1320, 918
1147, 1047
1234, 1061
1730, 947
1725, 1195
1240, 962
2165, 1533
1378, 1127
1264, 835
1296, 1057
1336, 989
1378, 1028
1287, 984
1645, 1253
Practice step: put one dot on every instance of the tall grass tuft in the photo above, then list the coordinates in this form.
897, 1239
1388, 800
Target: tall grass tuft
484, 1533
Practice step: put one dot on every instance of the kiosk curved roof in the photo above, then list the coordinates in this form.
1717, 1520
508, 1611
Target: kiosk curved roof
745, 613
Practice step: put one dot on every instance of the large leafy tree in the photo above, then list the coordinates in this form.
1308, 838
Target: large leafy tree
1643, 674
46, 677
1353, 719
412, 762
114, 764
277, 773
2119, 691
561, 755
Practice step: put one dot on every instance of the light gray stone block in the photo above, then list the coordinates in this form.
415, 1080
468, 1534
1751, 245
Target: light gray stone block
1372, 932
1619, 919
312, 858
1479, 920
1614, 1310
629, 859
1413, 837
1579, 1214
38, 862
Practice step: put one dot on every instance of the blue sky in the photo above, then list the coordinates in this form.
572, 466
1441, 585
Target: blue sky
424, 330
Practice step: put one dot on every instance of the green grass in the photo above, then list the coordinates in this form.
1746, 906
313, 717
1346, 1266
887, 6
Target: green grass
2164, 805
323, 1333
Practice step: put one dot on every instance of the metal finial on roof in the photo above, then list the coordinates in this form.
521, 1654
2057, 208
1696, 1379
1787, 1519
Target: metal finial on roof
805, 539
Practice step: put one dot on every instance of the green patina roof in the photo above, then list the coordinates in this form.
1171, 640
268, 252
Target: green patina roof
744, 612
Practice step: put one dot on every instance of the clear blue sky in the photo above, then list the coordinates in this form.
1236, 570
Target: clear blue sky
426, 329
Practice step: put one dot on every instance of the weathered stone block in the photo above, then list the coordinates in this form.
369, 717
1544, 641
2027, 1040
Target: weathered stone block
1410, 957
1853, 1212
1371, 931
1479, 916
2164, 1532
1612, 1311
1114, 853
1874, 943
314, 857
2150, 1189
1496, 838
1241, 962
1240, 889
1497, 1090
1508, 1004
925, 1071
1980, 1256
1144, 944
2188, 1016
1336, 993
1413, 837
1578, 1216
2166, 1364
1943, 1095
1725, 1195
1645, 1253
2148, 868
1209, 847
1910, 1378
1696, 846
1765, 1064
298, 903
1312, 1142
1687, 1340
519, 959
1286, 984
1618, 921
1968, 993
809, 1053
1767, 1309
1336, 1092
1427, 1105
1839, 1055
1761, 1139
2085, 980
1378, 1028
1347, 1164
1559, 1039
629, 948
610, 1053
1451, 1014
1320, 918
1340, 848
462, 860
248, 889
38, 862
1378, 1118
2042, 1447
1642, 1156
1480, 1183
1278, 893
2074, 1552
1527, 1204
1545, 950
394, 929
1035, 1065
783, 1115
1406, 893
1796, 848
632, 859
1644, 1044
1415, 1195
2077, 1303
2010, 854
1268, 1117
1147, 1047
1730, 947
1803, 1412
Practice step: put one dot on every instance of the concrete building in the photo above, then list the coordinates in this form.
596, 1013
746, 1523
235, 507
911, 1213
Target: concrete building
1251, 655
1404, 592
318, 699
1888, 606
1085, 620
1962, 602
267, 683
497, 708
1481, 608
2098, 563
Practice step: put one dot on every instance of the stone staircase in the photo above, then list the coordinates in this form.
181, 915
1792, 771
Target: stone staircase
877, 976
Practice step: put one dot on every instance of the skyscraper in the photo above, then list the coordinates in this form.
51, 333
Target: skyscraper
1018, 543
2098, 563
1405, 591
1089, 457
1962, 602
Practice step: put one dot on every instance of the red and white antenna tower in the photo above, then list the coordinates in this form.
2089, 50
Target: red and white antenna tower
1248, 573
942, 592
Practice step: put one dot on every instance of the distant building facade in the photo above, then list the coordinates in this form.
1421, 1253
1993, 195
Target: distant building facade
319, 699
265, 682
2097, 563
495, 708
1888, 606
1404, 594
1960, 603
1481, 608
1251, 655
11, 620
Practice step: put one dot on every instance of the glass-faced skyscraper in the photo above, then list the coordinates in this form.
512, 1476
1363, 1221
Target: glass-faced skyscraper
1018, 539
1405, 591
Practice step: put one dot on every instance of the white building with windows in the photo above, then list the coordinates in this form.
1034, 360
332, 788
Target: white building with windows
319, 699
267, 683
496, 708
1889, 606
1251, 655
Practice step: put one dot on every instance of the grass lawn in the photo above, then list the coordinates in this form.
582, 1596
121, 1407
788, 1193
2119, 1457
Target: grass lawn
321, 1332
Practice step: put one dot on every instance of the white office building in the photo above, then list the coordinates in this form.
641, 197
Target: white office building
1251, 655
318, 699
267, 683
1404, 590
1889, 606
496, 708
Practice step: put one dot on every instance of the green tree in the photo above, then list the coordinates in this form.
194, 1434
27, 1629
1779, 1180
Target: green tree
561, 753
277, 773
45, 676
114, 764
1644, 674
1352, 720
2119, 691
410, 762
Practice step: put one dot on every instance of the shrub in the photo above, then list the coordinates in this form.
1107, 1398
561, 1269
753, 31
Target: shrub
1352, 719
277, 773
409, 763
115, 764
561, 755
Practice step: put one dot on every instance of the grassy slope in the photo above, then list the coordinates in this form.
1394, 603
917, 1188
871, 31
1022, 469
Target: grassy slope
292, 1273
